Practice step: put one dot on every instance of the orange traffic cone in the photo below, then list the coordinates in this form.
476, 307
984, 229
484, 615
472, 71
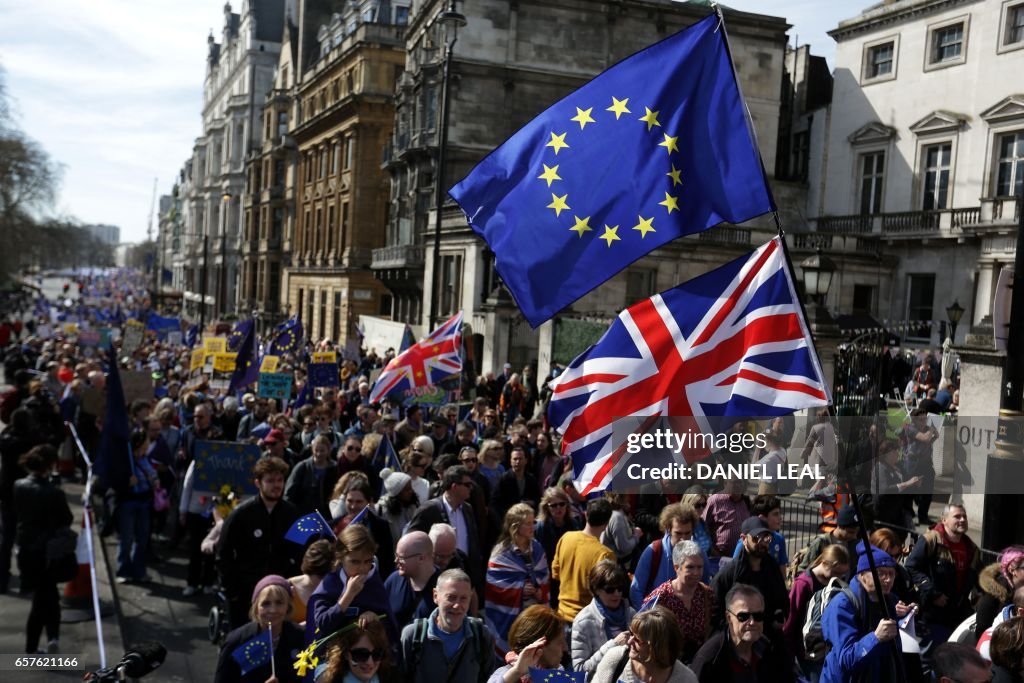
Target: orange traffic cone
78, 591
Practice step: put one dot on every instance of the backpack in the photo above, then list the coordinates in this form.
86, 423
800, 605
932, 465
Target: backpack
657, 550
419, 636
815, 646
793, 568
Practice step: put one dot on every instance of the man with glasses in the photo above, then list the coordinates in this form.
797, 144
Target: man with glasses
753, 566
745, 650
410, 587
452, 507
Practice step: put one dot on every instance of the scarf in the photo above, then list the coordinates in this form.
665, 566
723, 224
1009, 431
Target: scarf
508, 570
615, 620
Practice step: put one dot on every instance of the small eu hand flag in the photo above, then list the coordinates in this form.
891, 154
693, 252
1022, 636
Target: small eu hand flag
557, 676
306, 527
253, 654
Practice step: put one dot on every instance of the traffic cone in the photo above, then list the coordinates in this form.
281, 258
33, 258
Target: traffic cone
78, 591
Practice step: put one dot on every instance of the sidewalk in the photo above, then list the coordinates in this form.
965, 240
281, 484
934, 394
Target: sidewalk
78, 627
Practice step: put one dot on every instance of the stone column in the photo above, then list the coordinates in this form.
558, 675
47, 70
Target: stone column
983, 298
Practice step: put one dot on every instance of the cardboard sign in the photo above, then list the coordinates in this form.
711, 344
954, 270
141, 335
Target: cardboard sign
215, 344
70, 329
221, 369
323, 357
224, 464
224, 362
195, 361
132, 338
269, 363
323, 375
174, 338
275, 385
138, 385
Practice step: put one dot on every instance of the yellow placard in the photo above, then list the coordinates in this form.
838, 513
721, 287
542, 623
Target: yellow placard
323, 357
196, 360
134, 323
224, 362
215, 344
269, 363
70, 328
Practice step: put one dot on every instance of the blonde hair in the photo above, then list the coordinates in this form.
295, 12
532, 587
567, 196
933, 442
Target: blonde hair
255, 606
514, 518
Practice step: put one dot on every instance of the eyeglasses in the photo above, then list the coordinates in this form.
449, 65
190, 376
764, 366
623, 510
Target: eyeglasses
744, 617
614, 589
351, 448
361, 654
405, 559
557, 505
468, 460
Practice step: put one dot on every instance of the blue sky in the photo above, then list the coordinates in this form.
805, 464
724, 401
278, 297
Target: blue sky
112, 89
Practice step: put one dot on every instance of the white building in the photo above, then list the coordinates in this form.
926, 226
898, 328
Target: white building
918, 157
240, 70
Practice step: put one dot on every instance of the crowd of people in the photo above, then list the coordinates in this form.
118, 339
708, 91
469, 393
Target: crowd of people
471, 556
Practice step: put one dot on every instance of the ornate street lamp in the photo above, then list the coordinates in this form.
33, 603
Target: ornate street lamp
451, 21
817, 273
953, 314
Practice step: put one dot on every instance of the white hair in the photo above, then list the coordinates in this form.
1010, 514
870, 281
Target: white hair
441, 529
683, 550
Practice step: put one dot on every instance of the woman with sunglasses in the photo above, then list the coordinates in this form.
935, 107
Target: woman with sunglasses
696, 498
745, 644
649, 655
360, 656
604, 623
492, 453
554, 519
415, 463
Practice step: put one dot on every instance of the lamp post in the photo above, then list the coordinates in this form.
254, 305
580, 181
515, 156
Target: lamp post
953, 314
202, 283
222, 280
451, 21
818, 272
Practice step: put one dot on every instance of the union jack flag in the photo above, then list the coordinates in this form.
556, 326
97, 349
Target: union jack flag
427, 362
730, 343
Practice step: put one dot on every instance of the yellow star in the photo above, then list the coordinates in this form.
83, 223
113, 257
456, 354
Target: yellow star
583, 117
674, 175
670, 203
550, 174
610, 235
645, 226
669, 143
558, 203
650, 118
619, 107
557, 142
582, 225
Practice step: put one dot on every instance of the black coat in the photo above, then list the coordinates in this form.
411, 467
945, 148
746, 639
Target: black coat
12, 446
433, 512
292, 641
934, 573
774, 664
506, 493
769, 581
252, 545
307, 492
42, 509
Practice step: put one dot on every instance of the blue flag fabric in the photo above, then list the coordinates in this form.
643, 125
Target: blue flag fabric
287, 338
247, 370
385, 456
308, 526
302, 399
557, 676
656, 147
254, 653
408, 340
237, 336
161, 325
192, 336
360, 517
114, 462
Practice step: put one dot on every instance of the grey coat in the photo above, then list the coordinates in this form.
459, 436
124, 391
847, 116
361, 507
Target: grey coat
431, 666
589, 641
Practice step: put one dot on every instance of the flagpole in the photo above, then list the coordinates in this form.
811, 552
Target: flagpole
270, 637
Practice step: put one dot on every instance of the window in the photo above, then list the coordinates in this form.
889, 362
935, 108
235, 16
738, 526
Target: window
336, 319
880, 60
401, 16
639, 284
872, 176
936, 176
1015, 25
349, 152
863, 299
323, 163
1010, 171
330, 228
282, 123
274, 285
323, 313
947, 44
335, 157
449, 285
278, 173
277, 224
343, 235
920, 294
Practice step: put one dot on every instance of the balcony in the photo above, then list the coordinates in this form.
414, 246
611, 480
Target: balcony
729, 236
904, 224
398, 256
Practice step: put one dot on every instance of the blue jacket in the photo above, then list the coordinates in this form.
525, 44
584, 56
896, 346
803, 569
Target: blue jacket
856, 653
638, 589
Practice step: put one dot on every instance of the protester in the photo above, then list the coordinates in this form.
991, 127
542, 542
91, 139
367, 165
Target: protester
956, 663
604, 623
753, 566
15, 440
411, 586
997, 583
1008, 651
689, 600
316, 563
536, 640
833, 562
517, 573
362, 655
655, 566
576, 554
649, 653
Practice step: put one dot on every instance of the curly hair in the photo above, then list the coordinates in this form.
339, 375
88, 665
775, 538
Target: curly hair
337, 655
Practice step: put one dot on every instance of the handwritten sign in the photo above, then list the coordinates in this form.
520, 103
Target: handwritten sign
224, 362
221, 369
323, 375
195, 362
132, 337
70, 328
224, 464
215, 344
269, 363
275, 385
174, 338
324, 357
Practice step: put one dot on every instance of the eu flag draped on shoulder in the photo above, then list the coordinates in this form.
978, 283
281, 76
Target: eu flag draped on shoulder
429, 361
114, 463
732, 342
656, 147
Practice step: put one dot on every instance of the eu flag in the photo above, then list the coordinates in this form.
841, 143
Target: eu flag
247, 370
656, 147
288, 338
308, 526
238, 333
254, 653
557, 676
114, 462
385, 456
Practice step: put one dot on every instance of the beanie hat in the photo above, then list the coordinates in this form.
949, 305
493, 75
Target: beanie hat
847, 516
271, 580
394, 481
882, 559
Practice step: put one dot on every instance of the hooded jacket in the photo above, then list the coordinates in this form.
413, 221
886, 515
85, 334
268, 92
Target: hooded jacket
934, 573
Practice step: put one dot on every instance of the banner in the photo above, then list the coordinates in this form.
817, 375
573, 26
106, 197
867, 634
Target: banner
323, 375
220, 463
89, 338
324, 357
431, 395
269, 363
224, 362
195, 362
221, 367
275, 385
215, 344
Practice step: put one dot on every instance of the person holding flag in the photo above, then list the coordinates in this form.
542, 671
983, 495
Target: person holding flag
264, 648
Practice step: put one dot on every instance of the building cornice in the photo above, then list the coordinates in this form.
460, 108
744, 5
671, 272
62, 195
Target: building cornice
885, 14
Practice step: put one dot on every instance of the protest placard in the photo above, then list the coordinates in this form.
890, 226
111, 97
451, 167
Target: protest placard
323, 375
269, 363
133, 333
70, 329
215, 344
323, 357
174, 338
195, 361
221, 369
138, 385
43, 331
221, 463
89, 338
275, 385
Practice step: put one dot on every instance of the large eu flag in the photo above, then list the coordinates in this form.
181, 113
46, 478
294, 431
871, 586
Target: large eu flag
656, 147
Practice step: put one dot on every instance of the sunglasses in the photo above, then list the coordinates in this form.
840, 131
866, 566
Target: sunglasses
744, 617
361, 654
470, 459
614, 589
351, 448
556, 505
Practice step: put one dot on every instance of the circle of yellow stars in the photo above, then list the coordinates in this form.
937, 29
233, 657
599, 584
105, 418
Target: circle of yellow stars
560, 202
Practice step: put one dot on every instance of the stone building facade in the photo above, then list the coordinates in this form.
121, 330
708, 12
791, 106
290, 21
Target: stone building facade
510, 62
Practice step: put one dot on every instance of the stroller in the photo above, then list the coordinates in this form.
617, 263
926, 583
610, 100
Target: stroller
218, 625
